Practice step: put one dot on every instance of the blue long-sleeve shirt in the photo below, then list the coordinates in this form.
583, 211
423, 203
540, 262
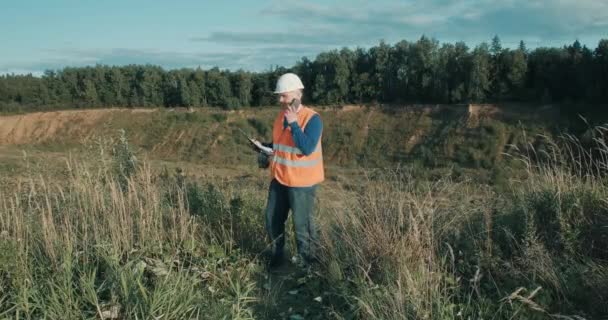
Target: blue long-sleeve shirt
308, 139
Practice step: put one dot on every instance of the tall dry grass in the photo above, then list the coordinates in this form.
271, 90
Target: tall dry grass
385, 245
119, 241
106, 244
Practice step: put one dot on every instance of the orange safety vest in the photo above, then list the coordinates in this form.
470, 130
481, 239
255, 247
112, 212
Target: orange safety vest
289, 166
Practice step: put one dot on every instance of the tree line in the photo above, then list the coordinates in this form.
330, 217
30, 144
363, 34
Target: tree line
423, 71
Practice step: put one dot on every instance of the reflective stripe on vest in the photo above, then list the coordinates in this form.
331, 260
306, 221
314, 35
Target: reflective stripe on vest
299, 163
284, 148
288, 149
289, 165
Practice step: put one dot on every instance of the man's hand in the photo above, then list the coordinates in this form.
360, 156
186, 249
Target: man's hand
291, 114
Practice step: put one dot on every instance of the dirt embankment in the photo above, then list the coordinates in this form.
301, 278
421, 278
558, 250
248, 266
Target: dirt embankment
44, 126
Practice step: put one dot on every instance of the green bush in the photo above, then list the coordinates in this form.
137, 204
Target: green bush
219, 117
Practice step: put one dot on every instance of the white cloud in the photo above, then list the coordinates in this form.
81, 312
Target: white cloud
252, 59
309, 28
451, 19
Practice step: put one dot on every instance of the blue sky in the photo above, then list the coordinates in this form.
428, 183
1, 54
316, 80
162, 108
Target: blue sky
255, 35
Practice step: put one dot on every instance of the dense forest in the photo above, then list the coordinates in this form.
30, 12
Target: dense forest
424, 71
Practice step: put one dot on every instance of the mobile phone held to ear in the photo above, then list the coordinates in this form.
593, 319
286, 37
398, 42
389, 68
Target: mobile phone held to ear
295, 103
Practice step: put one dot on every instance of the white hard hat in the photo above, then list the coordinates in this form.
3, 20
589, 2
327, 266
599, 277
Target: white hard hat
288, 82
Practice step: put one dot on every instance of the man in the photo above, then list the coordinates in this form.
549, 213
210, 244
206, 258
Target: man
296, 169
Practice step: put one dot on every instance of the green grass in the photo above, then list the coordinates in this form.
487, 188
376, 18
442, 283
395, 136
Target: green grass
366, 137
112, 232
111, 239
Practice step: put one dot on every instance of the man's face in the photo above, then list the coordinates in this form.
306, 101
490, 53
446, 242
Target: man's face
286, 97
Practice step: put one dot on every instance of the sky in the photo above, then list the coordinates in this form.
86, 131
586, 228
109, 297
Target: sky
257, 35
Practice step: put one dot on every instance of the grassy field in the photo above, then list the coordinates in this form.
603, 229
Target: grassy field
460, 217
353, 136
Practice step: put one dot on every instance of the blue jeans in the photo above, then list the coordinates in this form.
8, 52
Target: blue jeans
301, 201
